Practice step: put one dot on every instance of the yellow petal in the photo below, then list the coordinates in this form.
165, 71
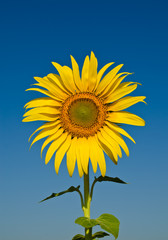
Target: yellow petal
54, 146
59, 91
44, 92
125, 84
101, 159
46, 125
52, 88
64, 74
58, 82
38, 129
45, 83
113, 144
107, 147
40, 117
71, 156
78, 156
120, 130
69, 79
61, 152
84, 153
125, 103
42, 110
126, 118
101, 72
114, 84
85, 73
108, 79
118, 83
117, 137
120, 92
46, 132
93, 153
76, 74
42, 102
51, 138
92, 72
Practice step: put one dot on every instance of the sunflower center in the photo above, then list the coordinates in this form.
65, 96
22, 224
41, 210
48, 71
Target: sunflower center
83, 114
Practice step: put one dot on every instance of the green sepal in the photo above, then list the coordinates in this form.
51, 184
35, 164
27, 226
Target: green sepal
71, 189
109, 223
110, 179
86, 222
78, 237
100, 235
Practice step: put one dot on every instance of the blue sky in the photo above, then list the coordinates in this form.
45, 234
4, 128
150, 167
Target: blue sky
33, 34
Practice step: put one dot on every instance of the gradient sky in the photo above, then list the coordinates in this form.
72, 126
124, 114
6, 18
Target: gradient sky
35, 33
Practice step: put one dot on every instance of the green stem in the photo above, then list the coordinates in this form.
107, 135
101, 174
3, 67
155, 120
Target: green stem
86, 209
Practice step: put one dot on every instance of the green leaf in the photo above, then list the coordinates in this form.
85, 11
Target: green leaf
109, 223
111, 179
86, 222
99, 235
104, 179
71, 189
78, 237
106, 221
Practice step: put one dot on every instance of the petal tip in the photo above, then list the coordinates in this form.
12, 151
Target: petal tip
92, 54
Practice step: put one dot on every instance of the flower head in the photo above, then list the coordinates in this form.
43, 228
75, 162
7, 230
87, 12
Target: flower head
82, 114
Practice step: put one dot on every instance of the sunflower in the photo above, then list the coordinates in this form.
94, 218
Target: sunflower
83, 114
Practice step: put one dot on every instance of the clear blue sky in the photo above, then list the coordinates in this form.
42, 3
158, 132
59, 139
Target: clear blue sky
33, 34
